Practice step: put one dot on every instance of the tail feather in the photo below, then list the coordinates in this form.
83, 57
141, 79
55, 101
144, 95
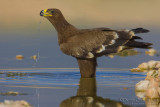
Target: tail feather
140, 30
137, 44
136, 37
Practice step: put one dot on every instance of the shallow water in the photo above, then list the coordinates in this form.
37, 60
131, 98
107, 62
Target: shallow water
53, 86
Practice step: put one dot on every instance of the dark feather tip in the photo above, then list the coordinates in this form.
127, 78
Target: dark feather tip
136, 37
140, 30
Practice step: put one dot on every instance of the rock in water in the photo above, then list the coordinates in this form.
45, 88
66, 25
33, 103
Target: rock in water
152, 64
147, 66
143, 66
142, 85
18, 103
19, 57
151, 52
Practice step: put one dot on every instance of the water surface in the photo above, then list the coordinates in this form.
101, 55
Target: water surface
48, 87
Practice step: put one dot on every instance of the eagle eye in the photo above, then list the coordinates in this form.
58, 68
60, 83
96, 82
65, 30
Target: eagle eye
52, 11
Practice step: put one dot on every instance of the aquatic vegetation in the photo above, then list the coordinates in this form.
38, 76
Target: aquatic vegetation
125, 53
151, 52
12, 93
128, 53
14, 74
18, 103
34, 57
146, 66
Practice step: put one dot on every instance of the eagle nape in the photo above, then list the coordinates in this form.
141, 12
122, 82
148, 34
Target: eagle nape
86, 45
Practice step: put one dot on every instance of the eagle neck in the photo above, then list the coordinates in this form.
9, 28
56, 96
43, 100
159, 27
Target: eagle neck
63, 28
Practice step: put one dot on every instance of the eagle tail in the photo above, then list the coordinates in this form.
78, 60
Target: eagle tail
136, 37
136, 44
140, 30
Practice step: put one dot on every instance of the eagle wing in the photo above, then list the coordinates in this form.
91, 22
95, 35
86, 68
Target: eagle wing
90, 43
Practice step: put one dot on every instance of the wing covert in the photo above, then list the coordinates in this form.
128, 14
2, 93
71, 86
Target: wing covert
92, 43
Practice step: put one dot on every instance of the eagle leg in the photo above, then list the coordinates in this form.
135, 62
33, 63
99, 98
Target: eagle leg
87, 67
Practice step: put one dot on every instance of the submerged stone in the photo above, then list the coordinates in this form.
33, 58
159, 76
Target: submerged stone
18, 103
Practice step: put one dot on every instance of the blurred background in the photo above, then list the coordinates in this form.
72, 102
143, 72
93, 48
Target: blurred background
24, 32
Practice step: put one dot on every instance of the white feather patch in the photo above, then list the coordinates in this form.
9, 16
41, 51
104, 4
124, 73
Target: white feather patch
120, 48
116, 36
99, 104
126, 30
90, 100
112, 42
90, 55
101, 49
77, 53
131, 33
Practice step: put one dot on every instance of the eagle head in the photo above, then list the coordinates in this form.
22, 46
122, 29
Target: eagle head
52, 14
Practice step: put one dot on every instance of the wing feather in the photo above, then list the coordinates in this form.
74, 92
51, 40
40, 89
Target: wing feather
95, 42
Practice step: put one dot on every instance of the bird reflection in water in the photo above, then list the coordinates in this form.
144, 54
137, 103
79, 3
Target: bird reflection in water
87, 96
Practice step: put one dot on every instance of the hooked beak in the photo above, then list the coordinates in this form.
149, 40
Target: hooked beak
45, 13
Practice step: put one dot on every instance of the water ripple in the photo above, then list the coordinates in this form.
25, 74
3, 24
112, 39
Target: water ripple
68, 77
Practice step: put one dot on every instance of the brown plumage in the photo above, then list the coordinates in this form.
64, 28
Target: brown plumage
88, 44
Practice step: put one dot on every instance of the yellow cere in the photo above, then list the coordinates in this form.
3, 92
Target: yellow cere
46, 14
